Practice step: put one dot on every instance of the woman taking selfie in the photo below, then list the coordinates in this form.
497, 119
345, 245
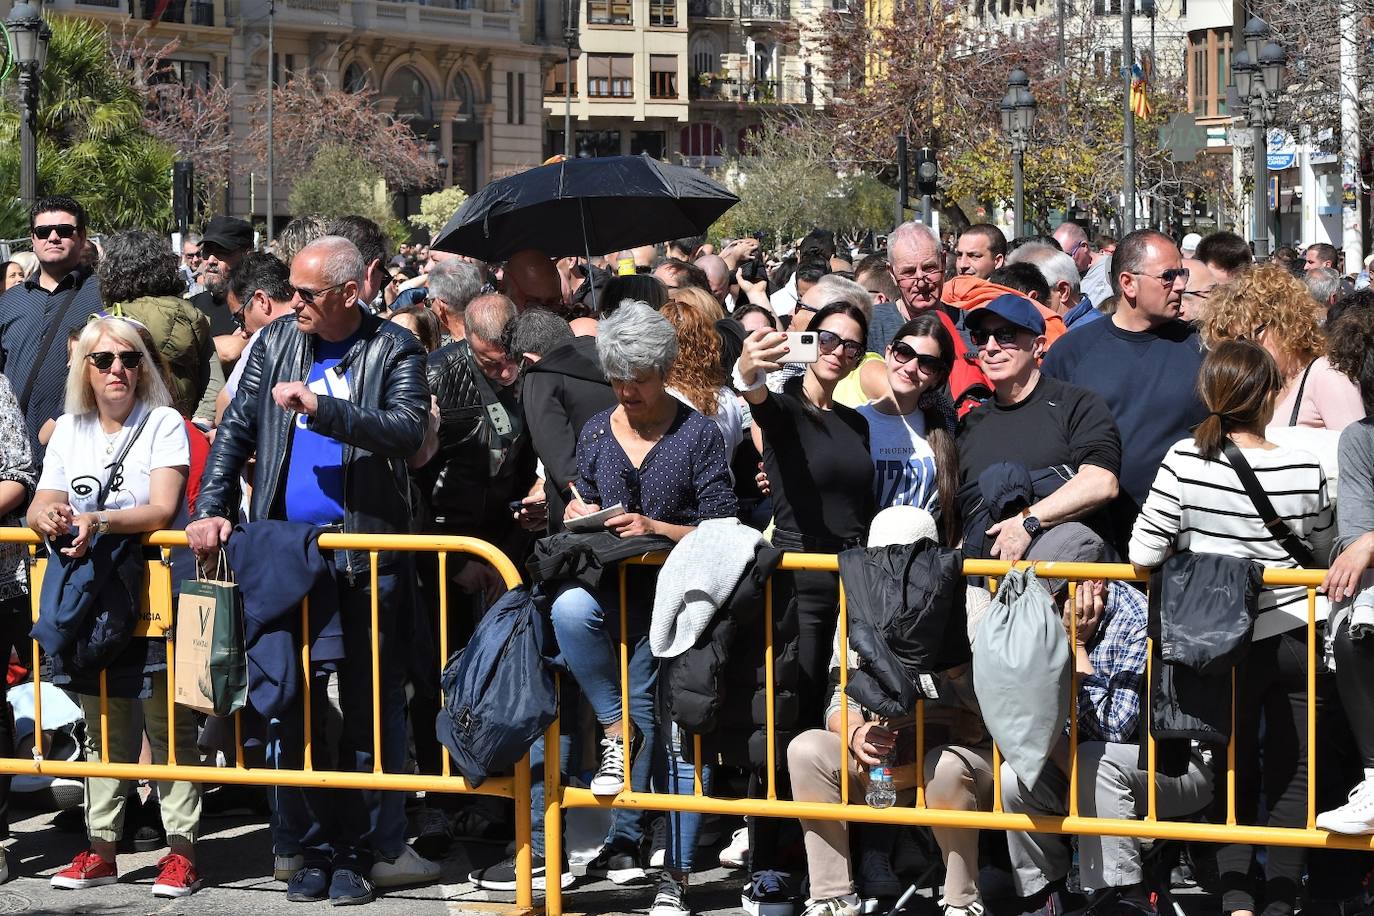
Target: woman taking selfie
116, 466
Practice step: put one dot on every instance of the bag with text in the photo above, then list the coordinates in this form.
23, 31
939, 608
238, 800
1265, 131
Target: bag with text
211, 664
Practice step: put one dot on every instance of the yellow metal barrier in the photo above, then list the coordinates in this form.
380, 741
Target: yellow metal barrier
997, 819
157, 616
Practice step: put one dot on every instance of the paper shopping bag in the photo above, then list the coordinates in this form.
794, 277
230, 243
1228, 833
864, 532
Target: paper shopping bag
211, 665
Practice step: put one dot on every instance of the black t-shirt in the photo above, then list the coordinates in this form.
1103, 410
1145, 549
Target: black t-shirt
1056, 424
818, 466
221, 322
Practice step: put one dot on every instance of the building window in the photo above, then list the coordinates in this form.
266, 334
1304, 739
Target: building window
663, 12
609, 12
510, 97
355, 78
520, 97
701, 139
1210, 60
556, 83
705, 61
647, 143
662, 76
610, 76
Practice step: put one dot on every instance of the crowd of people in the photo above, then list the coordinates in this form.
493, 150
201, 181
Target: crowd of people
1047, 398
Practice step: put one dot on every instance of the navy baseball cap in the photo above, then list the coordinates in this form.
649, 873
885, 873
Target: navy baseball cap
1017, 310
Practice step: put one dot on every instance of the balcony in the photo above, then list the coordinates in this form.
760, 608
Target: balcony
751, 92
765, 10
188, 12
711, 9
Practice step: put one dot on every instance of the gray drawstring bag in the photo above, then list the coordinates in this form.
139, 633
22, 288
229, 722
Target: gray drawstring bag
1021, 673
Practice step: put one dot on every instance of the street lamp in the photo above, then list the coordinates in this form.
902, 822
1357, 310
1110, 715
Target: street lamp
30, 35
1018, 116
1259, 72
439, 162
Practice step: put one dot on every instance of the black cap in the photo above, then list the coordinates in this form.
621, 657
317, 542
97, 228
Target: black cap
229, 233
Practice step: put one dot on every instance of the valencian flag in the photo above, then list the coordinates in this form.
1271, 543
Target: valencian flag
1140, 103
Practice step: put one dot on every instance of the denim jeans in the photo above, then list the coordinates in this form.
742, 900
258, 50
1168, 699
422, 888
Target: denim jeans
343, 827
680, 779
588, 628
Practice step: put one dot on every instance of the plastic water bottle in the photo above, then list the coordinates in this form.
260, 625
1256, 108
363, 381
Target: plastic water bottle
881, 793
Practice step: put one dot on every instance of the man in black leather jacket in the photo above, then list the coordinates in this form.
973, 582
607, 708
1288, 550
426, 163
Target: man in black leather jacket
332, 402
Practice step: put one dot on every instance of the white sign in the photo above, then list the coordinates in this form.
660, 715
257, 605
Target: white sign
1283, 150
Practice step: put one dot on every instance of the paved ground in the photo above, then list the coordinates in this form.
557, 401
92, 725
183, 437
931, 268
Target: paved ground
236, 866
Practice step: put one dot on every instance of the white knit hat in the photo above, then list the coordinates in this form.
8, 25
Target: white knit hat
902, 525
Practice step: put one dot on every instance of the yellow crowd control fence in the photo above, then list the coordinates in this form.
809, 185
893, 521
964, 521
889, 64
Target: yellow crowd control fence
559, 798
157, 621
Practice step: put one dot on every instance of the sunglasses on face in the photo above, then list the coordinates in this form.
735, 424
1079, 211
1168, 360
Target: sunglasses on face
1170, 276
904, 353
308, 296
237, 318
104, 359
1005, 335
829, 340
63, 230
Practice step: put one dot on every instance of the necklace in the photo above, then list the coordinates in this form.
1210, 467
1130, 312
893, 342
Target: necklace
110, 439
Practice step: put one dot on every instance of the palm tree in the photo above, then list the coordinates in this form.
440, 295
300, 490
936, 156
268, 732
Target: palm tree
91, 141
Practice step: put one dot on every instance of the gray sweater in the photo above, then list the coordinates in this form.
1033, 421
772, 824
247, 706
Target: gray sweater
1356, 460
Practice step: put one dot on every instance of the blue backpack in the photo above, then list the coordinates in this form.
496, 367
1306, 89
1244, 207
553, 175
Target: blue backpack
498, 690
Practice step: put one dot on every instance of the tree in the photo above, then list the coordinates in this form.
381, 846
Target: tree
92, 144
437, 209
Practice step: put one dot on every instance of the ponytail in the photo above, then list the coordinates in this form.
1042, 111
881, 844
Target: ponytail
1209, 437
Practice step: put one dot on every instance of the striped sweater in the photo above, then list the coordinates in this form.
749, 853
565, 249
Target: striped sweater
1201, 506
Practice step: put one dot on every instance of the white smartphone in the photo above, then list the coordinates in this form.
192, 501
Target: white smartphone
801, 348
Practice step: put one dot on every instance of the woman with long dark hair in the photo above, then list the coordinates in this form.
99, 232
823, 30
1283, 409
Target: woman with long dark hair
911, 427
1198, 503
816, 456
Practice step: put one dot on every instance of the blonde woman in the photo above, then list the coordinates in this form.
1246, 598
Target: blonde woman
116, 465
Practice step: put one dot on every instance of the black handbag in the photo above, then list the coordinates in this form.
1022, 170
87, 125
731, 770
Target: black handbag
1268, 515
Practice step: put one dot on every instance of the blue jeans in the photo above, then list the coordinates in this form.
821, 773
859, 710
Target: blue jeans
343, 827
680, 779
588, 629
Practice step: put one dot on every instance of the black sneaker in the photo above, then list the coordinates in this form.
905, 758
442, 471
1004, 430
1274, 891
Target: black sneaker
768, 894
432, 836
308, 884
501, 876
658, 842
610, 776
618, 866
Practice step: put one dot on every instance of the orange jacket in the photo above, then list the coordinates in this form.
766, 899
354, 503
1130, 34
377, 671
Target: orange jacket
969, 293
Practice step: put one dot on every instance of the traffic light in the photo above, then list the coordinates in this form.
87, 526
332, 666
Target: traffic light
927, 172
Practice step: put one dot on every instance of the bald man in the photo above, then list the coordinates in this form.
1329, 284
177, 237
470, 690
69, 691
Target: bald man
1074, 241
531, 281
718, 274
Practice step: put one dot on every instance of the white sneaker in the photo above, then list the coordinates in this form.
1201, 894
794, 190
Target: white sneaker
969, 909
409, 868
834, 906
4, 866
671, 899
284, 868
1355, 817
736, 852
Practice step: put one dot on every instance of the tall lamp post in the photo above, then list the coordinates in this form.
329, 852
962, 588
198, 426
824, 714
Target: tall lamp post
570, 17
30, 35
1018, 116
1259, 73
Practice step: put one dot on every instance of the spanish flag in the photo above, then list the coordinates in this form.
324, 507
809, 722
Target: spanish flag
1140, 103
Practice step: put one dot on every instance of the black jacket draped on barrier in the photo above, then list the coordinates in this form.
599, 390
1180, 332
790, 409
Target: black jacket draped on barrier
907, 622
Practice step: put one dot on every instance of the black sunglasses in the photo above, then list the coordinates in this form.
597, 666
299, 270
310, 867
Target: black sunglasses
904, 353
237, 318
63, 230
104, 359
829, 340
1005, 335
308, 296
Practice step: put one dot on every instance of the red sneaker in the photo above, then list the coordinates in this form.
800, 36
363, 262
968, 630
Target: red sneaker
176, 877
86, 870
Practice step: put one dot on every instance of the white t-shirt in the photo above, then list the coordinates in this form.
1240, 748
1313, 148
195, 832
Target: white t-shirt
231, 384
903, 463
728, 417
80, 454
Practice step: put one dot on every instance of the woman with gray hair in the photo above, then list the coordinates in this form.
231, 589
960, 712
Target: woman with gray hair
665, 464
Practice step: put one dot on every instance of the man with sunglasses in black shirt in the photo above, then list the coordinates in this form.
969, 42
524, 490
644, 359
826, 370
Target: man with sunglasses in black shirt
36, 315
1032, 422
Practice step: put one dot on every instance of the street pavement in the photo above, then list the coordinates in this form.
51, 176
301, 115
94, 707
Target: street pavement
235, 862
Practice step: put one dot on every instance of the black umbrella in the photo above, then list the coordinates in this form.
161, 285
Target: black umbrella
584, 206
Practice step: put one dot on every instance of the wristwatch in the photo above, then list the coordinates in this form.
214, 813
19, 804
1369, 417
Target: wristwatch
1031, 523
102, 523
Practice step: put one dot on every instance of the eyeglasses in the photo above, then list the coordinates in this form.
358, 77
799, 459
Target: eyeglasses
63, 230
238, 319
904, 353
1199, 293
308, 296
1168, 277
1005, 335
104, 359
930, 274
1255, 334
193, 255
829, 340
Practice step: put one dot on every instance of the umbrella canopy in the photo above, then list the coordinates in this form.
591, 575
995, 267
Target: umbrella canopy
585, 206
